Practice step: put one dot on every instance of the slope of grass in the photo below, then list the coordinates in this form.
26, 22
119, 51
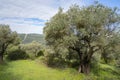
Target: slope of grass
34, 70
31, 70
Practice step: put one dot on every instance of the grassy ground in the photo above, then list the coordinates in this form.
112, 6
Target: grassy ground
32, 70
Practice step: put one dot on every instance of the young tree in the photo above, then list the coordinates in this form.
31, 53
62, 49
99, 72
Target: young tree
85, 30
7, 37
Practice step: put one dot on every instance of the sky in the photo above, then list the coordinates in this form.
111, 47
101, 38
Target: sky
29, 16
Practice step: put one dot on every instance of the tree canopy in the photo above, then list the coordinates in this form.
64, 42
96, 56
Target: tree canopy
85, 30
7, 37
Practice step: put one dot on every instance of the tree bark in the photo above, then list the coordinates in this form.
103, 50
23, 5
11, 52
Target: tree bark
1, 58
2, 52
84, 67
85, 60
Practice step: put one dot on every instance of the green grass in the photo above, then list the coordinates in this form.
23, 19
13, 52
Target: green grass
34, 70
106, 72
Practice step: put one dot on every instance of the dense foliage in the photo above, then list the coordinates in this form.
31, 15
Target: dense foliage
7, 37
33, 49
79, 33
17, 55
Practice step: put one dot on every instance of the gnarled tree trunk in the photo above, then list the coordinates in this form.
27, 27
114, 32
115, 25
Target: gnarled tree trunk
84, 67
3, 47
85, 60
1, 58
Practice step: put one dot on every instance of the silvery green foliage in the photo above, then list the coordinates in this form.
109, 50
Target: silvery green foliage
85, 30
7, 37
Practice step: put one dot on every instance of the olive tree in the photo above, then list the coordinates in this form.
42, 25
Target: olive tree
7, 37
85, 30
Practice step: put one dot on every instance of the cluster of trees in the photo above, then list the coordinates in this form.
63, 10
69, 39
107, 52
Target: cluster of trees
11, 47
77, 34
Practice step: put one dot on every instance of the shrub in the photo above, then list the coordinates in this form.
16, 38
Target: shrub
53, 61
33, 49
31, 56
40, 53
17, 54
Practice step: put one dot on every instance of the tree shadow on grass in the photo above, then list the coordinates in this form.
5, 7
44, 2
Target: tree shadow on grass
6, 74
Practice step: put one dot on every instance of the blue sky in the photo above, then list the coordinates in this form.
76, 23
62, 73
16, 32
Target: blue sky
29, 16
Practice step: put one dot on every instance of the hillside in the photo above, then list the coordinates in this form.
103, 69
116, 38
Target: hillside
32, 37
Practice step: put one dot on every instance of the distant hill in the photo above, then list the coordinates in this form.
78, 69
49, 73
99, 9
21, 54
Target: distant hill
32, 37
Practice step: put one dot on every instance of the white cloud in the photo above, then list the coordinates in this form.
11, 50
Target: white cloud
30, 21
26, 28
67, 3
43, 9
40, 9
27, 8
